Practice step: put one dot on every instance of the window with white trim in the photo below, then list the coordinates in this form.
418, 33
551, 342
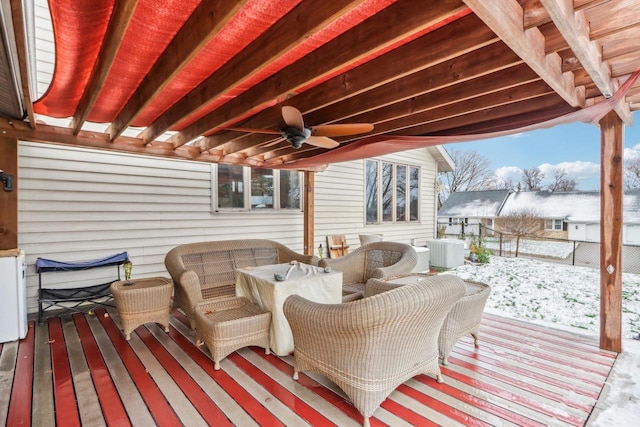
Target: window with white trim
243, 188
392, 192
553, 224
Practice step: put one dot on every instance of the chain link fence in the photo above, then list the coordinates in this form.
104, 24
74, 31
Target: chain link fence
570, 252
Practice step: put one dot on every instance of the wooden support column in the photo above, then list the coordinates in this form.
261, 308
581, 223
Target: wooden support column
309, 212
9, 199
611, 183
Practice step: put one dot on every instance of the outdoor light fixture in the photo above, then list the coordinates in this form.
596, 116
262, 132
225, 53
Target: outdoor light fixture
7, 180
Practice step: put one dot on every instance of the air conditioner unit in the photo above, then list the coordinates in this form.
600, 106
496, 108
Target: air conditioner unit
446, 253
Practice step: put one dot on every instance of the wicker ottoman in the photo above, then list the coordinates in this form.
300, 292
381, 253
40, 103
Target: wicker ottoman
142, 300
464, 318
229, 324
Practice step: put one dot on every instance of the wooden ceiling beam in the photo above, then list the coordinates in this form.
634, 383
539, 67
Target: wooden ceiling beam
575, 29
407, 124
298, 25
505, 18
393, 24
430, 50
613, 17
118, 24
17, 19
479, 115
512, 122
490, 106
208, 18
382, 106
535, 15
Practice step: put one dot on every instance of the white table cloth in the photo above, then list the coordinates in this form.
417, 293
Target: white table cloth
259, 285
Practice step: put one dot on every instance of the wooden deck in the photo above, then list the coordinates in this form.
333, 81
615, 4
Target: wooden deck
80, 371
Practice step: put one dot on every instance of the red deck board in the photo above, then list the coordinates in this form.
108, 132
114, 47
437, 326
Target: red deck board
483, 386
160, 409
512, 397
285, 396
21, 392
110, 402
200, 400
560, 398
249, 403
63, 391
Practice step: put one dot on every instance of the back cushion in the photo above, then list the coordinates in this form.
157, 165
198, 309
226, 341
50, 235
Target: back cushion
218, 268
253, 257
377, 258
213, 268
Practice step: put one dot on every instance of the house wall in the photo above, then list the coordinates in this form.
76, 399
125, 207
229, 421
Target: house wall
340, 205
79, 204
631, 234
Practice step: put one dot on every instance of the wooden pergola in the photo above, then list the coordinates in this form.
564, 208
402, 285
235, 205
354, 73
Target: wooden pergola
171, 78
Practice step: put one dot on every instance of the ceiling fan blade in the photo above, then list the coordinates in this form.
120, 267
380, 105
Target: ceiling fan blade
322, 142
341, 129
251, 130
292, 117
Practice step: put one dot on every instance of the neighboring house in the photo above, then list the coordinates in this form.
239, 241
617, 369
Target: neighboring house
568, 215
462, 212
81, 204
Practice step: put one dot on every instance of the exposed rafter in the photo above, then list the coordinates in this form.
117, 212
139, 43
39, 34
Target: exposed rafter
285, 35
400, 20
505, 18
204, 23
575, 29
21, 48
118, 24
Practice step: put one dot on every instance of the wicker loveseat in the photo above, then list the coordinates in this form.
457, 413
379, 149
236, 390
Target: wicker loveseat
206, 270
370, 346
373, 260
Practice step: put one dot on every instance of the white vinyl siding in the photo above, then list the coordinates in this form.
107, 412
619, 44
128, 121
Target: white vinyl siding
78, 204
81, 204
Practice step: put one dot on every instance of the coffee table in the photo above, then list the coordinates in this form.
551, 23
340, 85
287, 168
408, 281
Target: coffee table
259, 285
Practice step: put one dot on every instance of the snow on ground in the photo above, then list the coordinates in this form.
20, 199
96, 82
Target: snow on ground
568, 296
557, 293
554, 249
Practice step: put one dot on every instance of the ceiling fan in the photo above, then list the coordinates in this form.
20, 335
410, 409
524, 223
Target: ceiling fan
296, 133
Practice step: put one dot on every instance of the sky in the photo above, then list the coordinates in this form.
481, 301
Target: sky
574, 147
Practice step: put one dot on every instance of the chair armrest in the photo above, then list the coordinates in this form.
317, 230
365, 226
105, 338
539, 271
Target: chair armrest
404, 265
190, 285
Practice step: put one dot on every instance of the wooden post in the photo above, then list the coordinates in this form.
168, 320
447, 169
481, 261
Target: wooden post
9, 199
309, 212
611, 183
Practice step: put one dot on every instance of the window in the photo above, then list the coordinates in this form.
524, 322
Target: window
371, 190
392, 192
553, 224
268, 189
290, 190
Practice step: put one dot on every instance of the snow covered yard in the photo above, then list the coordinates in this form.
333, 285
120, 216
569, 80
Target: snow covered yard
562, 294
548, 248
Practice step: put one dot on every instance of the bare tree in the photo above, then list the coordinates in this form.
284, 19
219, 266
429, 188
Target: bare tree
632, 174
561, 182
531, 179
522, 223
472, 172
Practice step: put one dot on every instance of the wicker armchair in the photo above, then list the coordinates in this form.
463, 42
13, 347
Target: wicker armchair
206, 271
370, 346
373, 260
464, 318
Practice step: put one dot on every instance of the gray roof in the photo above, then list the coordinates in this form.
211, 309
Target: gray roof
574, 206
474, 204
